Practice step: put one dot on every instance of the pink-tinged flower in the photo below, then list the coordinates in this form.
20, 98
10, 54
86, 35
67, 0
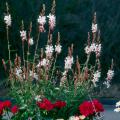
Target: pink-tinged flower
41, 21
7, 104
68, 62
87, 50
96, 77
59, 104
98, 50
58, 48
44, 63
110, 74
93, 47
14, 109
30, 41
49, 51
94, 28
23, 35
8, 20
52, 21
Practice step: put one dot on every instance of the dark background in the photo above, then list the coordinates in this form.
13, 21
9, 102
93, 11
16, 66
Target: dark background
74, 18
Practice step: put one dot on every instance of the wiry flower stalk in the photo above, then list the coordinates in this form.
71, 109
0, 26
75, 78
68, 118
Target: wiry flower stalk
8, 23
23, 37
41, 22
52, 17
94, 27
58, 42
28, 52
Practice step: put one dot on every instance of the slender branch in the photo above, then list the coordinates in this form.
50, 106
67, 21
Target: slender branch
54, 66
36, 47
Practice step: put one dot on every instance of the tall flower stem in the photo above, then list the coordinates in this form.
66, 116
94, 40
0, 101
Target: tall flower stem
23, 53
36, 47
54, 66
28, 52
7, 31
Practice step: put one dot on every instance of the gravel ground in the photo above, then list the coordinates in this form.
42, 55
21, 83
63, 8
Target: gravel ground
109, 113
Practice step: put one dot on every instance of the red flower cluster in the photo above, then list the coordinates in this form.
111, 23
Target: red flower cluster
45, 105
88, 108
48, 105
59, 104
14, 109
4, 105
7, 105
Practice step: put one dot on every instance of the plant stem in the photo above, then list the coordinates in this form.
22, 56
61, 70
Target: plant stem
36, 47
23, 53
9, 56
54, 66
27, 60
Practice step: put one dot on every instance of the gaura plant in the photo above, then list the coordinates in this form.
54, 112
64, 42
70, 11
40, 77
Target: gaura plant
41, 90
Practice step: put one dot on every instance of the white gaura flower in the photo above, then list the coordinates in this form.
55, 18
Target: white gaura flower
34, 75
52, 21
18, 72
8, 20
96, 77
74, 118
44, 62
23, 35
110, 74
98, 50
58, 48
41, 20
31, 41
68, 62
87, 50
49, 50
38, 98
107, 83
93, 47
117, 109
118, 104
94, 28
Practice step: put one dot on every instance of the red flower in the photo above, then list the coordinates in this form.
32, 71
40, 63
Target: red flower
7, 104
59, 104
14, 109
1, 107
98, 106
86, 108
45, 105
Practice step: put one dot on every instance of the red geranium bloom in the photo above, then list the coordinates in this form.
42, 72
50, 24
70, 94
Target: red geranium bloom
14, 109
45, 104
86, 108
1, 107
7, 104
98, 106
59, 104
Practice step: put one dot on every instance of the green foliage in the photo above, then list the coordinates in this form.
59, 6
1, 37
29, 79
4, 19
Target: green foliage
25, 93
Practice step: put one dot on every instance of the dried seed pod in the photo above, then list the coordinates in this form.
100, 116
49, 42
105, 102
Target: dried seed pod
4, 64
